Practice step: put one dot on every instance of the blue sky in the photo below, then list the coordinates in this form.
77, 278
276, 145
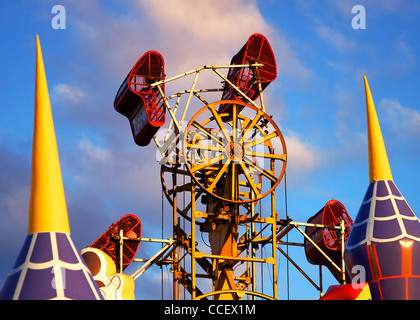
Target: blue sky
317, 101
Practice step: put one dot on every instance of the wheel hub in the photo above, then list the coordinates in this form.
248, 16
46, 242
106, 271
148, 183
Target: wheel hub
235, 151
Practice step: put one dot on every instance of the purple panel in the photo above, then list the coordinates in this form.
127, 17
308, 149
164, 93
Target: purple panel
374, 290
384, 208
65, 250
389, 258
413, 288
386, 229
369, 192
393, 289
412, 227
363, 213
404, 208
416, 259
77, 286
357, 234
42, 251
358, 257
9, 287
381, 189
38, 285
24, 251
394, 189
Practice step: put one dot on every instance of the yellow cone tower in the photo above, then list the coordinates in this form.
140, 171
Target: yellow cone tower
48, 265
47, 209
378, 160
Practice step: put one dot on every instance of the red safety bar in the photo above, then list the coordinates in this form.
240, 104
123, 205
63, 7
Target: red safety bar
109, 243
257, 49
329, 240
141, 103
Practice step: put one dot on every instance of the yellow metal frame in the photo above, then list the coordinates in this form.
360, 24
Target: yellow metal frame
169, 254
168, 147
238, 292
176, 249
175, 125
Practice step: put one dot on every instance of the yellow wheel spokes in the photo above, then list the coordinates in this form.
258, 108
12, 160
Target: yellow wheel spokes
234, 154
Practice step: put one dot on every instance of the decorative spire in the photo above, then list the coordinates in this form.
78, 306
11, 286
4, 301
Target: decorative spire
47, 208
385, 239
378, 160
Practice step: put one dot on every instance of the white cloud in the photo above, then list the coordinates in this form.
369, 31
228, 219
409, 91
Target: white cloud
334, 37
403, 121
403, 56
202, 32
94, 155
302, 157
405, 49
189, 34
211, 32
66, 92
113, 172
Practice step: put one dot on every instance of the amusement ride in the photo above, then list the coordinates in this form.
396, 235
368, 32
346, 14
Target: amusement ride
222, 158
216, 168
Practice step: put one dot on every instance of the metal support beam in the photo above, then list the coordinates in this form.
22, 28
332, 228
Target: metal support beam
153, 259
298, 268
317, 247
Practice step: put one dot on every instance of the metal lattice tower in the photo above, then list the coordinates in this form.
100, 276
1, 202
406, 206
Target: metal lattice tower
216, 170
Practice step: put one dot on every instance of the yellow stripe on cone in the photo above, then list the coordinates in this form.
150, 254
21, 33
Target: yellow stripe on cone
378, 160
47, 208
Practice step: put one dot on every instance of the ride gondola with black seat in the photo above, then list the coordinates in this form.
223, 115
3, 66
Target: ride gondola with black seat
140, 102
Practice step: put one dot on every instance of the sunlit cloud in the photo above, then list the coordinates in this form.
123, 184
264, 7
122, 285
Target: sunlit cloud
66, 92
334, 37
302, 157
402, 121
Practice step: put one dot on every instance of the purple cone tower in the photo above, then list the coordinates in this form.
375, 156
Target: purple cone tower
48, 265
385, 240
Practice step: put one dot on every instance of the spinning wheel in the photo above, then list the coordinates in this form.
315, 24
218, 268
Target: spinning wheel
239, 156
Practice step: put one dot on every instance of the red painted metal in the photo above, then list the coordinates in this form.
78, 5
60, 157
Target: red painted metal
108, 241
141, 103
329, 240
257, 49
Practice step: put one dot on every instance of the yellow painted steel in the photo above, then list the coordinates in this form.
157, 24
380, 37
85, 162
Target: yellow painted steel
365, 294
238, 292
378, 160
47, 208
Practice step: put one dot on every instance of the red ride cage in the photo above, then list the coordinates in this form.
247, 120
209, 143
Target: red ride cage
141, 103
329, 240
256, 50
108, 243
